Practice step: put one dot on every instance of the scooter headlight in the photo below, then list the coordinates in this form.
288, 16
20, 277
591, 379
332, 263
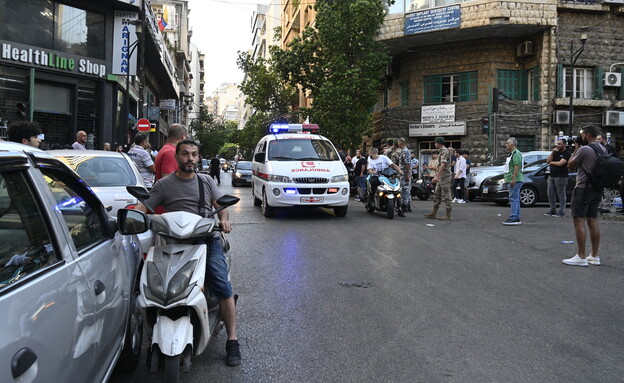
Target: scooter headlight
154, 290
179, 287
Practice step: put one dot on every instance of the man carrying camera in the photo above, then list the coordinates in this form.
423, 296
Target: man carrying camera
558, 178
585, 197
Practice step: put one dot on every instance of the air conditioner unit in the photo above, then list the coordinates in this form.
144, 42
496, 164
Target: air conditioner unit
613, 118
612, 79
562, 117
524, 49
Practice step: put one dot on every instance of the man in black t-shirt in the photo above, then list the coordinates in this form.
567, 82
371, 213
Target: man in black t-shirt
558, 178
360, 174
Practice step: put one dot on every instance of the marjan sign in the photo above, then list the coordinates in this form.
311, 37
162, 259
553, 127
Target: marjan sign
53, 60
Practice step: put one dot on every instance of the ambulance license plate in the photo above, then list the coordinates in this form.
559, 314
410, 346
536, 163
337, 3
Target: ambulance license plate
311, 199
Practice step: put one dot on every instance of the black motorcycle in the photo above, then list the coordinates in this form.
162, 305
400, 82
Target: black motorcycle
423, 189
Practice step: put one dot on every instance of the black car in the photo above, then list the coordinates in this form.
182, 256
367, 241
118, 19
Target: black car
242, 173
533, 190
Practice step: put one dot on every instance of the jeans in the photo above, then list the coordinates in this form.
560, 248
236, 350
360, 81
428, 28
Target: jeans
514, 200
557, 188
216, 268
458, 187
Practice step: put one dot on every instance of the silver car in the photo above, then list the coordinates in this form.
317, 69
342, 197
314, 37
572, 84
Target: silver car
68, 276
107, 173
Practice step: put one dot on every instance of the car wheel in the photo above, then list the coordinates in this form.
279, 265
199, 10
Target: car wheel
256, 201
528, 196
611, 193
129, 358
267, 210
341, 211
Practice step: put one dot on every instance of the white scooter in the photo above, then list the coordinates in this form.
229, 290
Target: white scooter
181, 317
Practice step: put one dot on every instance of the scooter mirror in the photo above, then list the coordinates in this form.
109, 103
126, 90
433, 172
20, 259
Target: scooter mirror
227, 200
138, 191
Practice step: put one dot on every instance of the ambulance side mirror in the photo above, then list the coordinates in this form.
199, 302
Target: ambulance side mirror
259, 157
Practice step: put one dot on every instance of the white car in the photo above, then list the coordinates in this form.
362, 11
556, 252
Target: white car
293, 166
478, 174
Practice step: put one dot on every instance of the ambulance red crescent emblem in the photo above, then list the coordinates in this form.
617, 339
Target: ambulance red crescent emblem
308, 164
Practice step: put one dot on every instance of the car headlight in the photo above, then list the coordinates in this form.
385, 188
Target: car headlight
501, 181
282, 179
238, 175
341, 178
179, 285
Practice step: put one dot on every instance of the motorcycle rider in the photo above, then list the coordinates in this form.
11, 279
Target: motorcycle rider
376, 163
180, 192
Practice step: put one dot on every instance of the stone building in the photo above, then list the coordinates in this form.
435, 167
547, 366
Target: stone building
448, 63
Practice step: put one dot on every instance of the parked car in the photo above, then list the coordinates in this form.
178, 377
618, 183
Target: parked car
534, 189
495, 167
242, 173
205, 166
68, 274
107, 173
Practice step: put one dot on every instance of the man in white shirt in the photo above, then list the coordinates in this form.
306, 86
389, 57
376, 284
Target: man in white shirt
142, 159
376, 163
459, 178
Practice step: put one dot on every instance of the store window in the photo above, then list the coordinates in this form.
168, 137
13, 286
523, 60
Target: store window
459, 87
48, 24
14, 83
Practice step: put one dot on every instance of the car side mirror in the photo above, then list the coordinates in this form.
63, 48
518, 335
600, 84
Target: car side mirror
130, 221
259, 157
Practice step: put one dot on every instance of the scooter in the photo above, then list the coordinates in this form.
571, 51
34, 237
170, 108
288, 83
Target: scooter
387, 194
181, 316
423, 189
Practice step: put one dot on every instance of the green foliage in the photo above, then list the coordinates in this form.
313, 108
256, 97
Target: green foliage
340, 64
228, 151
211, 133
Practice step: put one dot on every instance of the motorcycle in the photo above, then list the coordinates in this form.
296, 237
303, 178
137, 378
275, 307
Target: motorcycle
423, 189
352, 182
181, 317
387, 195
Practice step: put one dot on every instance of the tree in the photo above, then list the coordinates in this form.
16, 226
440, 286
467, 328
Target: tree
339, 64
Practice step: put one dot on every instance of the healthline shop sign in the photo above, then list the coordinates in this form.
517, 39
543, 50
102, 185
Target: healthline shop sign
56, 61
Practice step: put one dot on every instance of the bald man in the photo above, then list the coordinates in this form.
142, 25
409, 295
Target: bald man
81, 140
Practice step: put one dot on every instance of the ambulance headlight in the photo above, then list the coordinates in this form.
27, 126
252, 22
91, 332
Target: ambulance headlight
341, 178
277, 178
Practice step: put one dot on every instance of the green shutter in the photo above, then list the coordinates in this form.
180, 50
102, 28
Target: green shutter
433, 89
536, 84
560, 87
622, 87
598, 75
467, 88
524, 85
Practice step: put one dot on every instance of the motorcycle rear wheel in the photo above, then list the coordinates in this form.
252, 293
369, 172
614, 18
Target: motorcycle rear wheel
390, 208
171, 372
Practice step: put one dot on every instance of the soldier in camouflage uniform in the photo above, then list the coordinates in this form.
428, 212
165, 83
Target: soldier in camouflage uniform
405, 163
443, 180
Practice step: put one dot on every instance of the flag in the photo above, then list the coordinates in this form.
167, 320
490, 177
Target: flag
162, 24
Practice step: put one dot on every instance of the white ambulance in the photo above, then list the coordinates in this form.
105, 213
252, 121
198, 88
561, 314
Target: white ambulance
295, 166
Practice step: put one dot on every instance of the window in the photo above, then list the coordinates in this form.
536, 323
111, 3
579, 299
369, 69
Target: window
26, 246
460, 87
582, 82
28, 22
79, 32
404, 93
513, 83
525, 143
83, 222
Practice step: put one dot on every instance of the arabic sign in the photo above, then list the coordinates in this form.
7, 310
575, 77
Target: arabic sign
168, 104
437, 113
443, 129
433, 20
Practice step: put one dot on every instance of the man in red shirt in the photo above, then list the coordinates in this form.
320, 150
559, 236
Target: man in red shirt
165, 160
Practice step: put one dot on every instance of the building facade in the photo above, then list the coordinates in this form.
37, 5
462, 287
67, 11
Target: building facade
478, 72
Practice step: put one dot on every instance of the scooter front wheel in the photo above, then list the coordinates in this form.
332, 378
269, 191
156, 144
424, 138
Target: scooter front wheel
390, 208
171, 372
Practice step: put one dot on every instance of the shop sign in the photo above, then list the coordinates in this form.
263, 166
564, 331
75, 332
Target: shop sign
53, 60
442, 129
432, 20
437, 113
124, 41
168, 104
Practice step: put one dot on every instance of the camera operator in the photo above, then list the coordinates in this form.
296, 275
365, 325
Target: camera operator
558, 178
585, 199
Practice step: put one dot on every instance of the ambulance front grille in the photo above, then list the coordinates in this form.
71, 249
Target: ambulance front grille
311, 180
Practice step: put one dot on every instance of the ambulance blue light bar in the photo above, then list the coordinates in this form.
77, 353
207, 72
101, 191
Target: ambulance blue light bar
294, 128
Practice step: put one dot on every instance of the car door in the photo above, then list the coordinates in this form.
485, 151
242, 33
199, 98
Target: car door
45, 305
102, 261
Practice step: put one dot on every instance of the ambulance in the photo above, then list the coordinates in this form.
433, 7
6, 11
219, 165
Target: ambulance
295, 166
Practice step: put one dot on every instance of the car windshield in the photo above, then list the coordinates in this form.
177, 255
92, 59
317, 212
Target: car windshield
243, 165
496, 162
534, 165
302, 149
103, 171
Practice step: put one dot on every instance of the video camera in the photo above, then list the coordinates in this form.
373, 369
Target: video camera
571, 141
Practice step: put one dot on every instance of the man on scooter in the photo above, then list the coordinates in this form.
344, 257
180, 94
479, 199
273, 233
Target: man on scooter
180, 192
376, 163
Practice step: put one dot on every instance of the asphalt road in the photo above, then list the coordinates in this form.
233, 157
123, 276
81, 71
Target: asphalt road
367, 299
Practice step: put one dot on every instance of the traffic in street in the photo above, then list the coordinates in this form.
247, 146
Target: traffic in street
363, 298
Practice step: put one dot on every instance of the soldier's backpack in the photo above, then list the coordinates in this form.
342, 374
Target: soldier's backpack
608, 169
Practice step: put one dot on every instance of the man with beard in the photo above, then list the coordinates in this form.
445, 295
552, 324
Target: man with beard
181, 192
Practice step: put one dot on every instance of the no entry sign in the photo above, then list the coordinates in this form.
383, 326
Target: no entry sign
143, 125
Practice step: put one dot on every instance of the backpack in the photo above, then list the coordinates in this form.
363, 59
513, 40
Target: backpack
608, 169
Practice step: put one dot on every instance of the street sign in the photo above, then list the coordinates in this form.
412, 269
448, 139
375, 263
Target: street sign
143, 125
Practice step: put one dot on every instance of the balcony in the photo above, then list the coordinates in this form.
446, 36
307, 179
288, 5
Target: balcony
478, 20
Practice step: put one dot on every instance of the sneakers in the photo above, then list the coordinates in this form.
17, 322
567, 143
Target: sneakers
558, 215
593, 260
510, 222
454, 200
233, 357
550, 213
576, 261
461, 201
